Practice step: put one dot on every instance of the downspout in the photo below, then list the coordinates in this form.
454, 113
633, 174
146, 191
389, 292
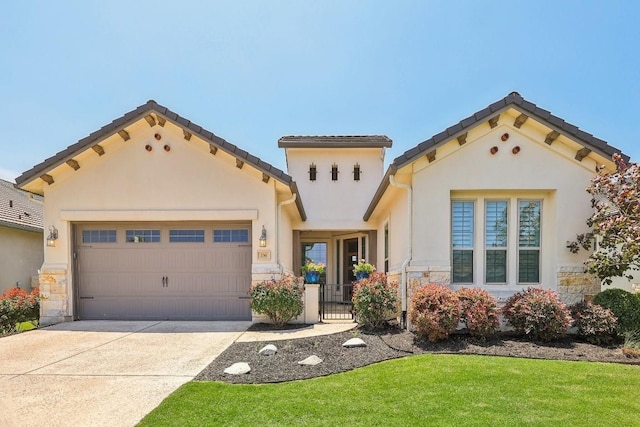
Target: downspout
278, 211
405, 264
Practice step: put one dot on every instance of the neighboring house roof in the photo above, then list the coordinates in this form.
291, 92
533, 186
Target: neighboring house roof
19, 209
514, 100
330, 141
144, 111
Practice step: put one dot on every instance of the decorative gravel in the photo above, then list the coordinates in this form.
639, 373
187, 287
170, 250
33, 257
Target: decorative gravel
381, 346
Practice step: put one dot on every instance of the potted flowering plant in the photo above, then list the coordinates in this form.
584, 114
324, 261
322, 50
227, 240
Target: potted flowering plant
312, 271
363, 269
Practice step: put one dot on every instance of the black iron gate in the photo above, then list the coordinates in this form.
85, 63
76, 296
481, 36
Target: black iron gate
335, 302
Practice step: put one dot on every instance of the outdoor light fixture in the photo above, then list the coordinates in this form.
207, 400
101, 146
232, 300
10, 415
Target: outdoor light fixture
263, 238
53, 236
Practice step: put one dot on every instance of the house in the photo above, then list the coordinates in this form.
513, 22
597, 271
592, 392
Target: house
158, 218
21, 244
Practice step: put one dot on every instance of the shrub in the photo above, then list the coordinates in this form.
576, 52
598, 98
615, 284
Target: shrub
595, 324
17, 306
538, 314
479, 311
373, 299
631, 346
434, 311
624, 305
280, 300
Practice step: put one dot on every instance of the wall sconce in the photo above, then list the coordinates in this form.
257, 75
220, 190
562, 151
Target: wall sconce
52, 237
263, 238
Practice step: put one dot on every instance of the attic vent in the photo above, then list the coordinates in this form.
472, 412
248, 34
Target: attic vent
356, 172
334, 172
312, 172
10, 203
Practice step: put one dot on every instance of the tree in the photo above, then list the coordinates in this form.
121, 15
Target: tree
615, 223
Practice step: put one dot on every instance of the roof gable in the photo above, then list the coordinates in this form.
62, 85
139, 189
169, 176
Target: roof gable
18, 209
156, 115
491, 115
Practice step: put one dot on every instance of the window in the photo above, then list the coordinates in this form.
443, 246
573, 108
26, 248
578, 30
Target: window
142, 236
231, 236
496, 231
529, 241
500, 244
356, 172
462, 219
312, 172
386, 248
186, 236
99, 236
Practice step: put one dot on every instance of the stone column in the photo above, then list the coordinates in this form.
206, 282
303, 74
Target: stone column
54, 301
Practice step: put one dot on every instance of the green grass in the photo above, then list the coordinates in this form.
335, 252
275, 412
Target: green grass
442, 390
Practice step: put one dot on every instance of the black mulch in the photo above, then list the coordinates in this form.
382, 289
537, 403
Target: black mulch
381, 346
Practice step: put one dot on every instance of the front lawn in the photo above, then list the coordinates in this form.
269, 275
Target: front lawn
421, 390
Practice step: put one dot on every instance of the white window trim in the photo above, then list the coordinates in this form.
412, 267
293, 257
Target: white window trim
485, 248
538, 248
479, 257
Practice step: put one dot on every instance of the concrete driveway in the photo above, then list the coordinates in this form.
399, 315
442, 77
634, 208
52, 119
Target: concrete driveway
103, 373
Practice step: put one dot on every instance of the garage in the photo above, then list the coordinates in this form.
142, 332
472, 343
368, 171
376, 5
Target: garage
163, 271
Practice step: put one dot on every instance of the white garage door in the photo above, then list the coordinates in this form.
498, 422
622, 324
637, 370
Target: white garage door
189, 271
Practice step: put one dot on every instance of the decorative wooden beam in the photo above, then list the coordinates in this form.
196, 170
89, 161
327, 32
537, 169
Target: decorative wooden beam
213, 149
582, 153
265, 178
47, 178
124, 134
551, 136
431, 156
462, 139
187, 135
239, 163
520, 120
493, 122
98, 149
74, 164
161, 121
149, 118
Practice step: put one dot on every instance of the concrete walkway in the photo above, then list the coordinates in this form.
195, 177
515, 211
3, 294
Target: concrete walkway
103, 373
309, 331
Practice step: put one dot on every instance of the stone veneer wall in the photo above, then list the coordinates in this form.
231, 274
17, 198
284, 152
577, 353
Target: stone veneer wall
419, 276
575, 285
54, 302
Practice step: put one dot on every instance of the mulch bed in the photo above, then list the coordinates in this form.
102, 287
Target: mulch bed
384, 345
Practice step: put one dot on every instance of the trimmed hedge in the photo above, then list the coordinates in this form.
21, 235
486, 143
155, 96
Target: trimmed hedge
538, 314
624, 305
434, 311
280, 300
374, 299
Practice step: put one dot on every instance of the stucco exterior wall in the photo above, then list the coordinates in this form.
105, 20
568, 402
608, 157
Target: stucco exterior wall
471, 172
21, 256
336, 205
129, 183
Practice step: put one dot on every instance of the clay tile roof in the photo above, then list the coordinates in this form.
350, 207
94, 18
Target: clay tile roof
19, 209
513, 100
334, 141
137, 114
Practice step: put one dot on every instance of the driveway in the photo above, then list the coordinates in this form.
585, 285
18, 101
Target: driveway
103, 373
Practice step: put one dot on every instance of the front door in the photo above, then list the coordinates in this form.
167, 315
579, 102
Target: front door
350, 257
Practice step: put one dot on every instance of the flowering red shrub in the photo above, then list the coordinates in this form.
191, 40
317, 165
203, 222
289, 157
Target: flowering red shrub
537, 314
595, 324
374, 299
434, 311
17, 306
280, 300
479, 311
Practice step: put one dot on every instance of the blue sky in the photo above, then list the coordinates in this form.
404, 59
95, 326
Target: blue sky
253, 71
